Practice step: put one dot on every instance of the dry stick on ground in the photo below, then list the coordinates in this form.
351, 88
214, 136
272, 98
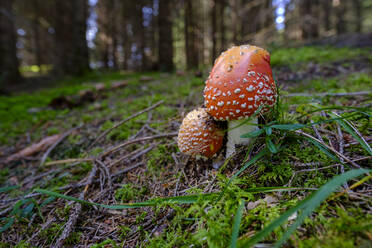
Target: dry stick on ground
330, 166
359, 93
125, 120
129, 142
70, 160
341, 150
46, 154
75, 211
133, 155
328, 147
108, 174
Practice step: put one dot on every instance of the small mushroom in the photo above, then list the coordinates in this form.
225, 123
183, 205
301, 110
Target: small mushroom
199, 134
240, 83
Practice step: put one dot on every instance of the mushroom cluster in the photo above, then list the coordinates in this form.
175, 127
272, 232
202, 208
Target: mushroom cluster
239, 87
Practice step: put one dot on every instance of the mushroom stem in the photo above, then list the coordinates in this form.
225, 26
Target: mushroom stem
234, 134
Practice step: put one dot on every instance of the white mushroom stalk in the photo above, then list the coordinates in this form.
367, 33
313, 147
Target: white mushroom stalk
236, 129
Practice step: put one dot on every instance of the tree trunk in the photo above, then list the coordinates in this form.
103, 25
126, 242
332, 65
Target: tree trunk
358, 9
141, 34
192, 56
340, 10
71, 46
309, 22
222, 25
214, 31
126, 42
234, 21
165, 36
9, 73
327, 13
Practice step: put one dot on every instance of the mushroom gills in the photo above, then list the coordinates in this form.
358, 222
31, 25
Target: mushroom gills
234, 134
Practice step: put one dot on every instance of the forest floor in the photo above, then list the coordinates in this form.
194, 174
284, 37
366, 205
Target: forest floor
139, 161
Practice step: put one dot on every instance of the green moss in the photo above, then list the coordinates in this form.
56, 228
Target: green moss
129, 192
106, 243
289, 56
347, 229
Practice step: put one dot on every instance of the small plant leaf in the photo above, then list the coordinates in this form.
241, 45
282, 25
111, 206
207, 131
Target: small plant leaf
270, 145
252, 134
288, 127
7, 225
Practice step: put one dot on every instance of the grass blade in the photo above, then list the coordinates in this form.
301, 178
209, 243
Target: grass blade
9, 188
236, 225
317, 198
308, 205
323, 148
187, 199
354, 132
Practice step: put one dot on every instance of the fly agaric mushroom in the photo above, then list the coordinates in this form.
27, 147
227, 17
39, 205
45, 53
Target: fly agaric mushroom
199, 134
240, 83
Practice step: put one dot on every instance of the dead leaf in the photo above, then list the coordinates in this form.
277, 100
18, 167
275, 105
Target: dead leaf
146, 78
35, 148
270, 201
119, 84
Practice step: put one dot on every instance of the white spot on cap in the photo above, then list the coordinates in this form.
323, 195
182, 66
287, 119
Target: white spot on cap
220, 103
250, 88
229, 93
242, 96
237, 111
244, 105
237, 91
228, 103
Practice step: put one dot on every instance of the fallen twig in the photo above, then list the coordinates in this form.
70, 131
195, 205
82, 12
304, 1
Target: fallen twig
359, 93
129, 142
60, 139
328, 147
75, 211
125, 120
133, 155
70, 160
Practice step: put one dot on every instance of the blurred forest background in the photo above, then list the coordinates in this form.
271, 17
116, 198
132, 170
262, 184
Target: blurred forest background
54, 37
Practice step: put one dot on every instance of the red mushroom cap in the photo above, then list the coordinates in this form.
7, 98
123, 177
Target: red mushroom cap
199, 134
240, 82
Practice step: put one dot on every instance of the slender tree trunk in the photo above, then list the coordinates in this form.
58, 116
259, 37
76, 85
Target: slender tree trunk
214, 30
141, 34
358, 9
165, 36
234, 21
327, 13
113, 35
340, 10
9, 73
309, 24
36, 38
71, 46
222, 25
192, 56
126, 43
